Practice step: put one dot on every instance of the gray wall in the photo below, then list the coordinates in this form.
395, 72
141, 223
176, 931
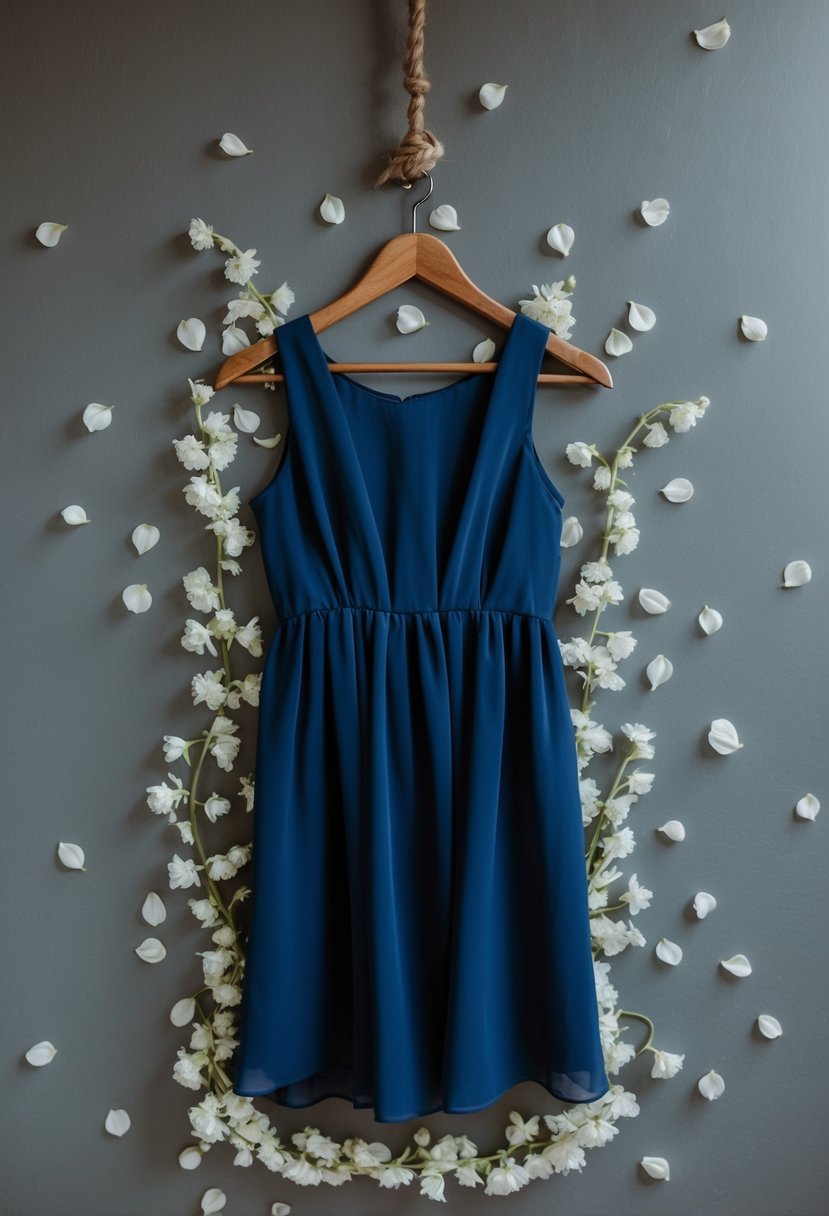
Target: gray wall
112, 113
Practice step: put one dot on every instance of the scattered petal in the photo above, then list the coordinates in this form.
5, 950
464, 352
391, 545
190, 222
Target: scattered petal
659, 670
137, 597
754, 328
332, 209
703, 904
738, 964
117, 1122
617, 343
711, 1086
280, 1209
491, 95
656, 1167
484, 351
234, 339
245, 421
189, 1158
668, 951
96, 416
72, 855
270, 442
769, 1026
233, 146
710, 620
560, 237
640, 316
715, 36
673, 829
571, 532
655, 211
723, 737
445, 218
41, 1053
807, 807
191, 333
183, 1011
153, 909
653, 601
409, 318
145, 536
796, 574
151, 950
75, 515
48, 233
678, 489
213, 1200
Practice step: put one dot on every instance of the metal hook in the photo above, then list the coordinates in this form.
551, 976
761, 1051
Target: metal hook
408, 186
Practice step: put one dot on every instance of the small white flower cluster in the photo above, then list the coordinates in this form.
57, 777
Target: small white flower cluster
551, 306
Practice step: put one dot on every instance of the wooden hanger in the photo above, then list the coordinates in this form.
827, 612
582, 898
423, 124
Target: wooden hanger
413, 255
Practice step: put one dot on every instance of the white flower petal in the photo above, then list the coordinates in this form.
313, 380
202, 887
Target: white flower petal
270, 442
715, 36
409, 318
678, 489
656, 1167
711, 1086
245, 421
234, 339
49, 234
117, 1122
674, 829
640, 316
72, 855
75, 515
754, 328
153, 909
769, 1026
668, 951
232, 145
617, 342
332, 209
183, 1011
655, 211
137, 597
445, 218
738, 964
653, 601
213, 1200
145, 536
723, 737
189, 1158
151, 950
710, 620
703, 904
807, 807
560, 237
97, 417
659, 670
571, 532
484, 351
280, 1209
41, 1053
491, 95
796, 574
191, 333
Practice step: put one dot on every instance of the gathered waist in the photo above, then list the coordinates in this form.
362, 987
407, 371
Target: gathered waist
475, 610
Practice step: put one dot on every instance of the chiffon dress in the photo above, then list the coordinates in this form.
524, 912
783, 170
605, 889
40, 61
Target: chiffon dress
418, 935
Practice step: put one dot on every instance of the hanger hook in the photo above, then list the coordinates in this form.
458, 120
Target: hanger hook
408, 186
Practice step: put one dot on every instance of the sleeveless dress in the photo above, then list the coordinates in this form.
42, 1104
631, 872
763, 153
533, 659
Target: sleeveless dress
419, 937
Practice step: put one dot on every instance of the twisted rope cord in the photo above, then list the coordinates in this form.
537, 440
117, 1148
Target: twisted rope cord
419, 150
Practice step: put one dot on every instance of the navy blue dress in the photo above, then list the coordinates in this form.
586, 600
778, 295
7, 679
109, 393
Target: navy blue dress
419, 937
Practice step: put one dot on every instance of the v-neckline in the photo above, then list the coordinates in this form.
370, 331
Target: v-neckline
392, 399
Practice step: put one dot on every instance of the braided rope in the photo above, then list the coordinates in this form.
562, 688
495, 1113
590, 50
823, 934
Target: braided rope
419, 150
